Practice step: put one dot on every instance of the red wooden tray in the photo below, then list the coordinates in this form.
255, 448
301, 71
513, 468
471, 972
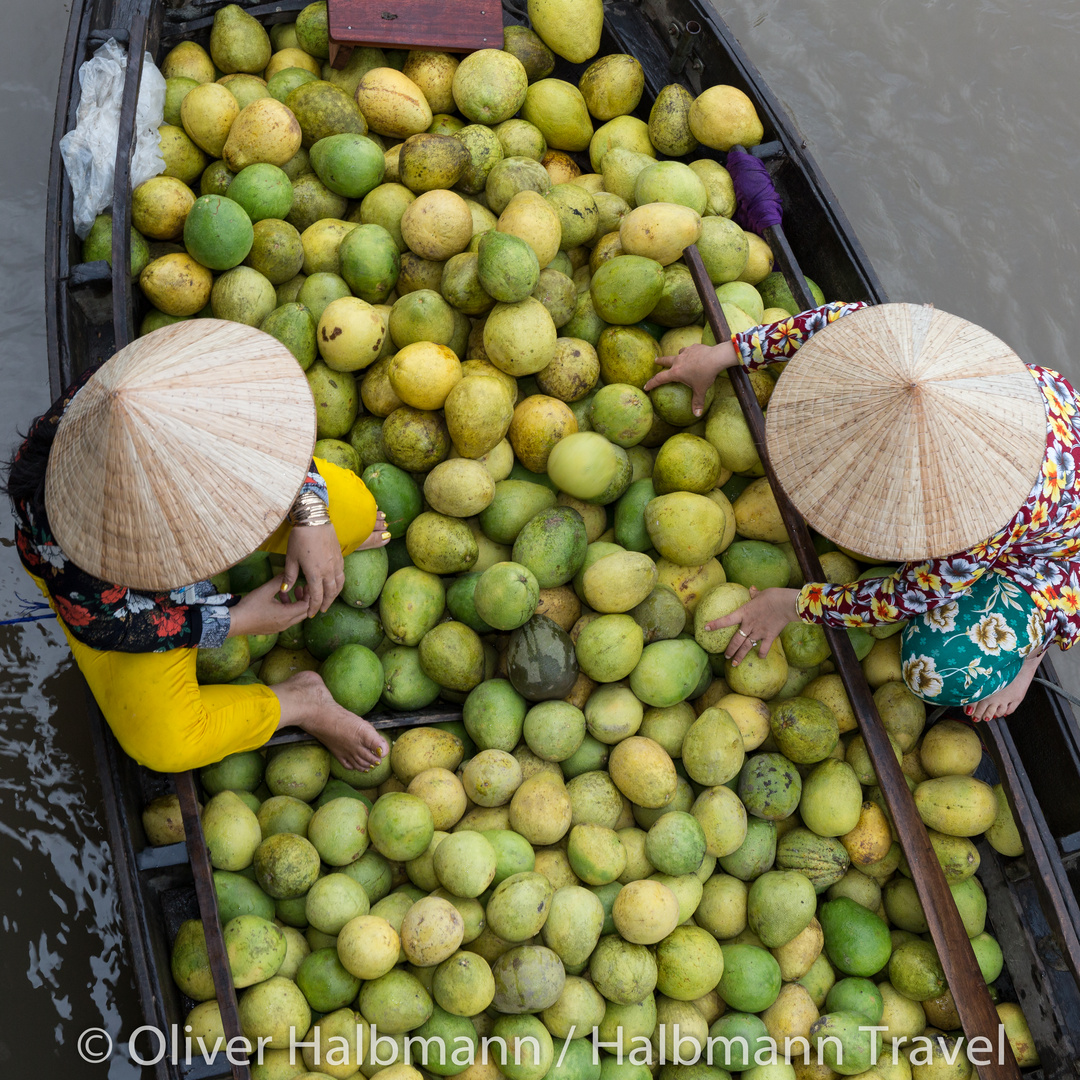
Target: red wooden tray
440, 25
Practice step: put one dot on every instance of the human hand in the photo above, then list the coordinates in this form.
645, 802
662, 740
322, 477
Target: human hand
314, 550
696, 366
759, 620
265, 611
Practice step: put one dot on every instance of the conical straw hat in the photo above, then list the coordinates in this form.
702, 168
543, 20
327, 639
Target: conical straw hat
902, 432
180, 455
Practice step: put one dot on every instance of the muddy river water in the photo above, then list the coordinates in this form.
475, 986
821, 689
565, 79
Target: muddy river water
950, 131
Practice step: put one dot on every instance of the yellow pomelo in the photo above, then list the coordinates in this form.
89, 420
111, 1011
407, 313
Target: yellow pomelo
392, 103
350, 334
723, 117
159, 208
266, 131
207, 113
570, 28
423, 374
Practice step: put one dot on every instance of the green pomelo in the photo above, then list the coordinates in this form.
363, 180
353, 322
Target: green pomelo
609, 647
325, 982
489, 86
340, 625
354, 677
460, 602
313, 201
239, 895
218, 232
689, 963
670, 182
770, 786
370, 262
676, 843
775, 293
324, 110
422, 315
286, 866
365, 575
756, 563
805, 730
397, 495
494, 715
256, 949
507, 267
400, 826
724, 249
406, 686
630, 530
467, 865
857, 942
348, 163
284, 813
516, 502
780, 905
622, 413
552, 546
282, 83
751, 978
232, 831
583, 464
339, 831
263, 190
320, 290
625, 289
668, 672
453, 655
243, 295
558, 109
293, 326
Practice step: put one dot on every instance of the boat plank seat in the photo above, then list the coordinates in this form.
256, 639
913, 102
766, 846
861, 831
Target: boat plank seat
438, 25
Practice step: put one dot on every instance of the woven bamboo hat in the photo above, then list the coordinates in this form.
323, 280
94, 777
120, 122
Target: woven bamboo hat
902, 432
180, 455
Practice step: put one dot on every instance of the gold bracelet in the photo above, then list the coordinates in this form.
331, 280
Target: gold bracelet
309, 509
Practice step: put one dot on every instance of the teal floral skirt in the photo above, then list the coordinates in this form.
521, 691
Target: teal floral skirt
972, 646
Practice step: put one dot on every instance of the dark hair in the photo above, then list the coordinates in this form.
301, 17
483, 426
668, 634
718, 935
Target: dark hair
24, 483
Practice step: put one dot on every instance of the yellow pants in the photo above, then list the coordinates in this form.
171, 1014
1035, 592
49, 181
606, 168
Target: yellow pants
158, 712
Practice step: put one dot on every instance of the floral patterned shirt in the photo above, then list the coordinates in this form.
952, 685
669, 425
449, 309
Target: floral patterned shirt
1038, 550
113, 617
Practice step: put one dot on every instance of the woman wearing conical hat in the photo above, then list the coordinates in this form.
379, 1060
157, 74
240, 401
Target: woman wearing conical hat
165, 466
909, 435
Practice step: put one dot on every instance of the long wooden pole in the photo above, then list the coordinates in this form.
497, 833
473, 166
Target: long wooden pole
224, 989
977, 1013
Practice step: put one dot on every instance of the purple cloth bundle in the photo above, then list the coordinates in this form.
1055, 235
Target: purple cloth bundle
757, 203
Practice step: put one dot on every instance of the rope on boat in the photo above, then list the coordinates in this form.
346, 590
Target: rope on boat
757, 203
30, 611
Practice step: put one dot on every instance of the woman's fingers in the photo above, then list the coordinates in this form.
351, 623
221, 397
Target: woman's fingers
661, 377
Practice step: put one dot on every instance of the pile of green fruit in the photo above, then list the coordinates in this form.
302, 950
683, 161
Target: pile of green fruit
626, 832
538, 872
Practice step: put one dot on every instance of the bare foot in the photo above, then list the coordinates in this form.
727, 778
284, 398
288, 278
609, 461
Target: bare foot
379, 536
306, 703
1004, 702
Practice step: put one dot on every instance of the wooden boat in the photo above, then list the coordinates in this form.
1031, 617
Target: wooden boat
91, 312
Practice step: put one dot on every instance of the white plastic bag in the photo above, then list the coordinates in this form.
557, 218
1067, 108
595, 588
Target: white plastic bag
89, 152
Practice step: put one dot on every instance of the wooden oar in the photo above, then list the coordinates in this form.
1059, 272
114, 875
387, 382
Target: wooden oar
773, 234
977, 1013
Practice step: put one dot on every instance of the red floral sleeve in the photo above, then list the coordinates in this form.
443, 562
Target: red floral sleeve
913, 589
769, 344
